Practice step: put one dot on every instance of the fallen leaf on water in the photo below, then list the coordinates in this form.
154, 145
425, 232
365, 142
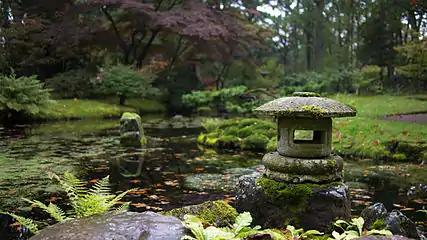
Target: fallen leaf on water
119, 203
178, 155
202, 193
407, 209
419, 201
153, 197
398, 205
366, 203
197, 159
154, 208
199, 169
138, 205
160, 190
172, 183
139, 192
135, 181
164, 202
94, 180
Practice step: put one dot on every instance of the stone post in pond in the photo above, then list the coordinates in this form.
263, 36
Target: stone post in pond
302, 184
131, 131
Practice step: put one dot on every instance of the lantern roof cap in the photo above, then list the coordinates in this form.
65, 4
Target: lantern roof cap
306, 104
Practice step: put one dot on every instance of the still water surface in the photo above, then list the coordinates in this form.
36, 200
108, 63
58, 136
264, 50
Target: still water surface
171, 171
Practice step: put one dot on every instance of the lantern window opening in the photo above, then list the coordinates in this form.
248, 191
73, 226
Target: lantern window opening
304, 136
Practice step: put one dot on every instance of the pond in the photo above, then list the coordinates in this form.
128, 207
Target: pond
172, 171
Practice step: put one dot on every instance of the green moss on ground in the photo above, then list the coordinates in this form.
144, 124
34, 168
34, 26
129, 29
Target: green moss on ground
218, 213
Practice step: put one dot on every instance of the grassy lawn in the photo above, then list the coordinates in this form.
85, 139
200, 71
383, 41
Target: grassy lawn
142, 105
366, 135
103, 108
70, 109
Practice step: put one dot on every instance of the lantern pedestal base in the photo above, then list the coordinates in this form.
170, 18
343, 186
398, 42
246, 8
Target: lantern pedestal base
303, 170
276, 204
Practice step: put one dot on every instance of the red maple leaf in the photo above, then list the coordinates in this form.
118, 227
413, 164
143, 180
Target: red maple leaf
255, 12
413, 2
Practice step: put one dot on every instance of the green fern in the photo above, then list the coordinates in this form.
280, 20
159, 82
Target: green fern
101, 187
26, 222
84, 202
53, 210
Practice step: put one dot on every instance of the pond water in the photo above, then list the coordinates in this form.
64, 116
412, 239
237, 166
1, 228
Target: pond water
172, 171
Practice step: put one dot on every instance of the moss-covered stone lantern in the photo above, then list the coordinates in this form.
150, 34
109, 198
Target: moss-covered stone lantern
302, 183
305, 159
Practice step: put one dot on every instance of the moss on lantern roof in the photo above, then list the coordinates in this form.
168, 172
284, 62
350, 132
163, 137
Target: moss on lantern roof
306, 106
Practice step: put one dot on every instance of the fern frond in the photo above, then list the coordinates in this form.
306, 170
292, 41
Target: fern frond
118, 197
26, 222
123, 207
53, 210
91, 204
72, 186
101, 187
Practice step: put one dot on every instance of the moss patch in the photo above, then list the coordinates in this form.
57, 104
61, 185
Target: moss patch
305, 94
293, 196
218, 213
249, 134
315, 111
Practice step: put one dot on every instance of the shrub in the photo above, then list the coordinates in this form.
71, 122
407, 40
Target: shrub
74, 83
236, 99
24, 95
125, 81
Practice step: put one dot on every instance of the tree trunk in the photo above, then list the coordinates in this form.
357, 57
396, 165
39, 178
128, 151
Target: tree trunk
319, 47
122, 100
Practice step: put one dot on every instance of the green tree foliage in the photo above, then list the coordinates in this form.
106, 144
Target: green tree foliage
125, 81
237, 99
414, 63
74, 83
22, 95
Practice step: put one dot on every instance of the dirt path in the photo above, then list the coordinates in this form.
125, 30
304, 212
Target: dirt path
420, 118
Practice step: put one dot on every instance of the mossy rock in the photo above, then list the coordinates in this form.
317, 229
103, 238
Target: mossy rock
131, 130
218, 213
228, 142
249, 134
255, 141
295, 197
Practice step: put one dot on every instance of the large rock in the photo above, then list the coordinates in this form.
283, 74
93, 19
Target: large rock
373, 213
309, 206
396, 221
116, 226
131, 131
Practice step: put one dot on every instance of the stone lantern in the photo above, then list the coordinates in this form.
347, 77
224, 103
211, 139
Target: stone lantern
302, 183
304, 160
